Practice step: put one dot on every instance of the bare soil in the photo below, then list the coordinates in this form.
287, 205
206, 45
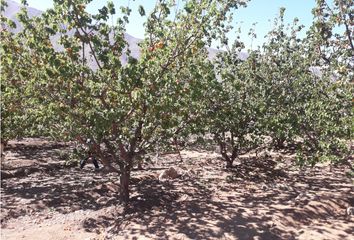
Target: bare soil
263, 197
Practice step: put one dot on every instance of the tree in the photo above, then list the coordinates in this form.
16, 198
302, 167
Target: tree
277, 92
17, 108
327, 122
234, 108
305, 103
125, 109
280, 67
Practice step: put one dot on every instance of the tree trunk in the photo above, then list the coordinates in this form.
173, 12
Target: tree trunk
140, 166
124, 185
279, 143
175, 141
229, 163
2, 150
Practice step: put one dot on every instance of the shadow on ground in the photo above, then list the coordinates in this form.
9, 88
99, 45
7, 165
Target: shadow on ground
254, 200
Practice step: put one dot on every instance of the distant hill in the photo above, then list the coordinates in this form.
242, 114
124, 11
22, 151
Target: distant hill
13, 8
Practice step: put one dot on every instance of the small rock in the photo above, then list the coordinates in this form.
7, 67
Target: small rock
265, 154
112, 187
301, 196
283, 187
184, 197
111, 199
99, 187
102, 200
110, 228
24, 201
188, 174
75, 207
170, 173
350, 211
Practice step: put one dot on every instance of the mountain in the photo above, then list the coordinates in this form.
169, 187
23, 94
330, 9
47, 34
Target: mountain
13, 8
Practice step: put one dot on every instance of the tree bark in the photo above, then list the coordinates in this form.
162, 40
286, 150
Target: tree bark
223, 152
175, 141
229, 163
279, 143
2, 150
140, 166
124, 185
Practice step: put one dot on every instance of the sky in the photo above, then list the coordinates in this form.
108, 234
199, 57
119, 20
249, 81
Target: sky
261, 12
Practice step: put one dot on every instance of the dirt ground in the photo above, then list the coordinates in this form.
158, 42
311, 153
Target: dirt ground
262, 197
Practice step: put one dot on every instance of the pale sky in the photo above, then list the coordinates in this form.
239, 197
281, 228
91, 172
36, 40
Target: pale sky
258, 11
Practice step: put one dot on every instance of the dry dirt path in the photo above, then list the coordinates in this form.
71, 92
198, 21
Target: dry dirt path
258, 199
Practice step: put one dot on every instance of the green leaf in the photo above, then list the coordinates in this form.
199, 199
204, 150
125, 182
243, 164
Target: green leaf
141, 11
